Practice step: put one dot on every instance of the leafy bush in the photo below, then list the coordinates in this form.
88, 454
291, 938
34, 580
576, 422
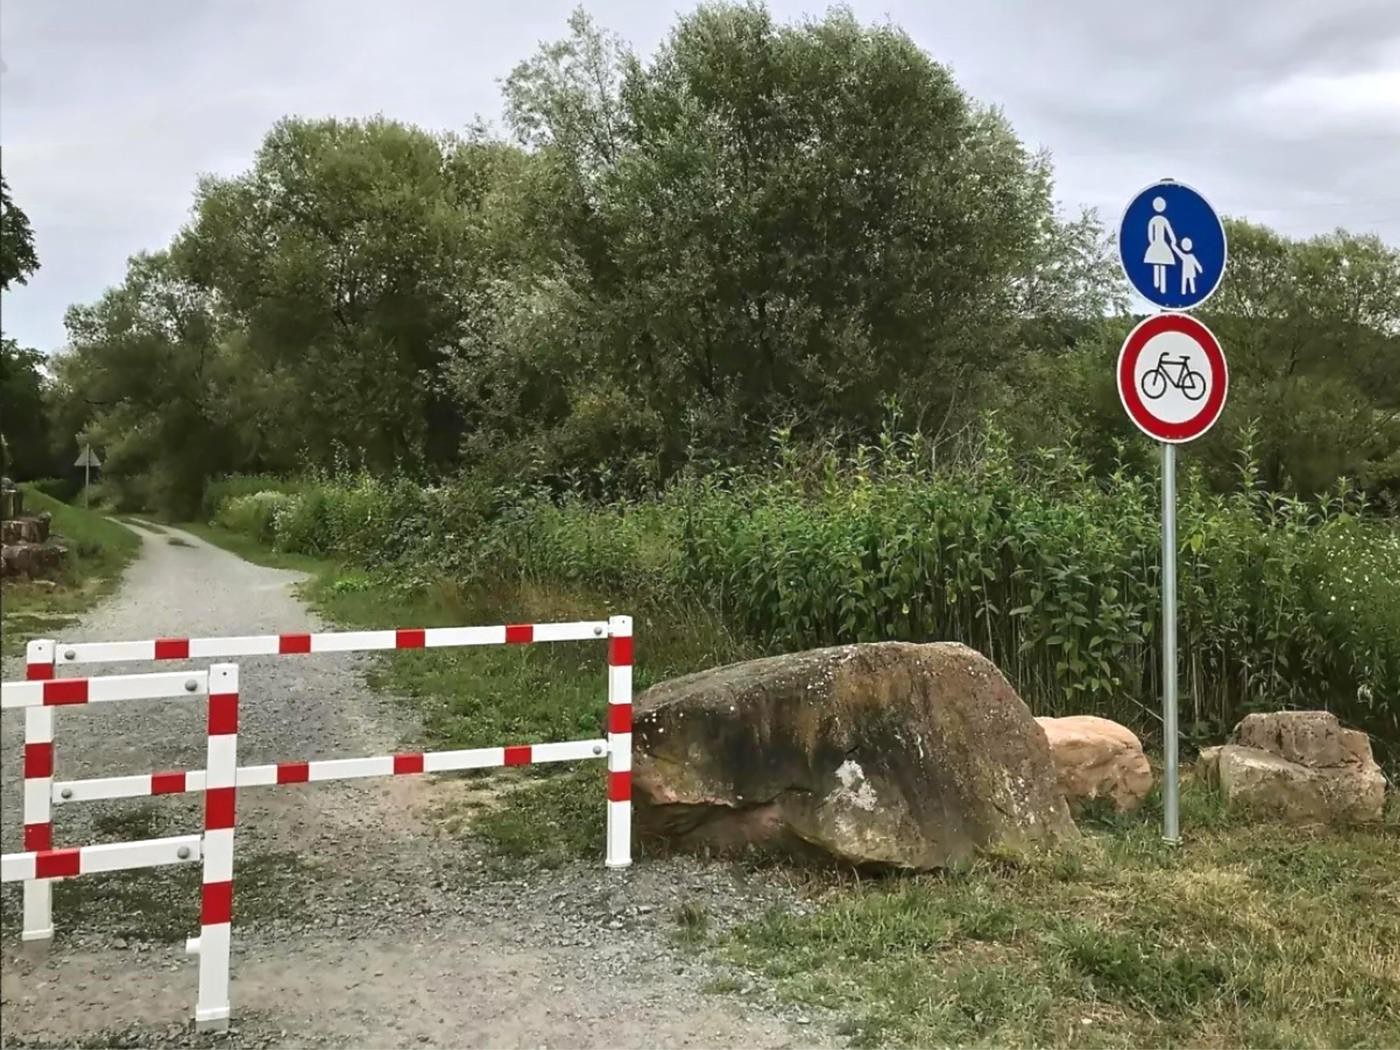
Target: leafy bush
255, 514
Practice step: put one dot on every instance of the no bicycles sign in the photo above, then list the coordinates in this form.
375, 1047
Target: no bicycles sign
1172, 377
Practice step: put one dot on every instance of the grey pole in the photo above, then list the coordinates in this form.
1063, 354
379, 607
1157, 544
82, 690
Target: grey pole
87, 475
1171, 828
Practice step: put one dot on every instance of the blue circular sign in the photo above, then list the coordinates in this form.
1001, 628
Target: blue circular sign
1172, 246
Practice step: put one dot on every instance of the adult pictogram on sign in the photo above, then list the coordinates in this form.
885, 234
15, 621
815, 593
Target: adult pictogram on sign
1172, 246
1172, 377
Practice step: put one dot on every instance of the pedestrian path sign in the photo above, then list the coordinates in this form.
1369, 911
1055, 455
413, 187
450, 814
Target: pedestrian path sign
1172, 246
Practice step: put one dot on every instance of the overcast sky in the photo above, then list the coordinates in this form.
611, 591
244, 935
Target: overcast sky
1283, 111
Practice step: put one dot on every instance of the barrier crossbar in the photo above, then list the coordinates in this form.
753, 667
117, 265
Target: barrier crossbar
157, 649
174, 782
88, 860
42, 691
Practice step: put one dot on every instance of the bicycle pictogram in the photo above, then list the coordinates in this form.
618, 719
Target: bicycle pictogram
1173, 371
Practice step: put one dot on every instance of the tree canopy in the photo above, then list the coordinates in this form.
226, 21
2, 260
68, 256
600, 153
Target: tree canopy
760, 225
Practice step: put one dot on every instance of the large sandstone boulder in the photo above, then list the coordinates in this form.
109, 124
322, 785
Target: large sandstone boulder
1098, 758
1298, 766
888, 755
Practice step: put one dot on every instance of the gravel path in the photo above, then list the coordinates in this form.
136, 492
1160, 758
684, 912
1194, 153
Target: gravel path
358, 920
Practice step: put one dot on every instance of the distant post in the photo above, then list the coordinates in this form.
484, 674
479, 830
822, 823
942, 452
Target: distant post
87, 459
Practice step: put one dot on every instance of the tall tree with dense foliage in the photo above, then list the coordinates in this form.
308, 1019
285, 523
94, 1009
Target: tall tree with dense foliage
345, 259
768, 221
1313, 332
148, 379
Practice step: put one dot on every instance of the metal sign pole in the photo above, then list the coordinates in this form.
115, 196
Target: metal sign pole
1171, 828
87, 477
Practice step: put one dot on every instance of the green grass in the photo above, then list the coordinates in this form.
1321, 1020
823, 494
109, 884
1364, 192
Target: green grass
1247, 934
251, 550
99, 549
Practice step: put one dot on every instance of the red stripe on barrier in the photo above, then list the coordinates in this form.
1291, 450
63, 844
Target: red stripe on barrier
620, 786
172, 783
56, 863
619, 718
410, 638
38, 760
38, 672
38, 837
407, 764
518, 755
223, 713
218, 808
293, 772
294, 643
520, 633
66, 691
216, 904
620, 652
172, 648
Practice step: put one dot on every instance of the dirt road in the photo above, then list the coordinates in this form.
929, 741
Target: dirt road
357, 920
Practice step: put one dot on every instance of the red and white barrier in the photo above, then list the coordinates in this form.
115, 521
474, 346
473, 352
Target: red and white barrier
38, 867
42, 691
39, 696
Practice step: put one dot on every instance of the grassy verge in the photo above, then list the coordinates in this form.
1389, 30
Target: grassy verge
99, 548
1248, 934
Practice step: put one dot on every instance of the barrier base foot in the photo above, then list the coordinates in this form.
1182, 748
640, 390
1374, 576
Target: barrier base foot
212, 1021
618, 863
37, 935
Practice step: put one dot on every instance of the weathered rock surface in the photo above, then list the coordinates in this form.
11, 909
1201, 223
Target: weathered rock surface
1310, 738
887, 755
31, 560
34, 529
1299, 766
1098, 758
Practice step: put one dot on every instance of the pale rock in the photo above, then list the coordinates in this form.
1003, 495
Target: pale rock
1098, 758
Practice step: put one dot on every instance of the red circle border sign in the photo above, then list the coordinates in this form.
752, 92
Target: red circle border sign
1138, 338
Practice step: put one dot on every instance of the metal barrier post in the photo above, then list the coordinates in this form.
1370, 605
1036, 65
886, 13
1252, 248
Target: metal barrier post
619, 845
38, 784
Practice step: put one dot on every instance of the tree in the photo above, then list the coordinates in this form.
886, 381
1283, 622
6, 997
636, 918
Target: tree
768, 221
23, 429
149, 378
346, 258
1312, 330
25, 433
17, 257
